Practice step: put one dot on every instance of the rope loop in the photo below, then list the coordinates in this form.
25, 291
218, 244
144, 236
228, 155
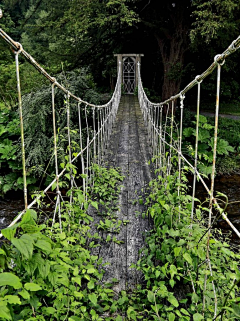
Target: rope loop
197, 79
20, 49
54, 81
182, 97
216, 58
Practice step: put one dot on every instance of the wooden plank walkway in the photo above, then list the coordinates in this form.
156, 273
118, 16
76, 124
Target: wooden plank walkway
128, 150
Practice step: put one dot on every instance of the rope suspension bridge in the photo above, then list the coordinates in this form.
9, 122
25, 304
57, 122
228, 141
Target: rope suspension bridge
117, 132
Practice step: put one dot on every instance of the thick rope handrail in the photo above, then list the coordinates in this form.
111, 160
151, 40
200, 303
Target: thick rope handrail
97, 138
147, 105
234, 46
155, 128
17, 47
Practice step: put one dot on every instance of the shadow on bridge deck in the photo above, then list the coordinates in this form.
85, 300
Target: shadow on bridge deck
128, 150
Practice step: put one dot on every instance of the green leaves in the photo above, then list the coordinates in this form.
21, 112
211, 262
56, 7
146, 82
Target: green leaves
236, 309
171, 298
150, 296
93, 298
197, 317
4, 311
24, 245
9, 232
205, 144
10, 279
44, 246
91, 285
188, 258
32, 287
171, 316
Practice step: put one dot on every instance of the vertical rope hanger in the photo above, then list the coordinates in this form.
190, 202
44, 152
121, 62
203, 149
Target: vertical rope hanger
57, 205
98, 140
165, 130
160, 143
196, 148
171, 138
156, 138
81, 147
182, 97
87, 158
21, 123
69, 146
219, 65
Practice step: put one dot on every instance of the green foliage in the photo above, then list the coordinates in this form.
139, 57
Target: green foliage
38, 117
174, 259
49, 274
10, 158
38, 128
205, 144
215, 19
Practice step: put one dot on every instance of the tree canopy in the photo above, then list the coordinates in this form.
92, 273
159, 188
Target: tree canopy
66, 35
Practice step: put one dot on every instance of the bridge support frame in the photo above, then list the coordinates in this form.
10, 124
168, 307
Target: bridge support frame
128, 70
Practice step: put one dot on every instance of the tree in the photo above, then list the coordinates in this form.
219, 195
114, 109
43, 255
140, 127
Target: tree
87, 32
215, 20
169, 23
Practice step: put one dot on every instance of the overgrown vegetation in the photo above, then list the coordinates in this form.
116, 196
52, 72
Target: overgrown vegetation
205, 144
39, 130
49, 273
174, 262
10, 158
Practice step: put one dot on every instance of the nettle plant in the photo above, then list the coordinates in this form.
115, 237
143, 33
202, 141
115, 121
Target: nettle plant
205, 144
48, 271
174, 262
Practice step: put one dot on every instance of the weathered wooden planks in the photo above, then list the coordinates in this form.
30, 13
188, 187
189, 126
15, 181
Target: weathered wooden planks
128, 150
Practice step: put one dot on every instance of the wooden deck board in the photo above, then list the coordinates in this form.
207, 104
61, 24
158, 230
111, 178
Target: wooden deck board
128, 150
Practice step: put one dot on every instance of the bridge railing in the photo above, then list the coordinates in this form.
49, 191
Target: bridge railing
165, 134
160, 116
95, 120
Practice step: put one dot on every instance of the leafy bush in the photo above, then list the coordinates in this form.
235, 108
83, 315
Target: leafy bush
38, 129
10, 159
205, 144
48, 271
174, 261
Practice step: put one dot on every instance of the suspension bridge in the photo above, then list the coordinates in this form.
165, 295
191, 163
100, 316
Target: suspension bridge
127, 132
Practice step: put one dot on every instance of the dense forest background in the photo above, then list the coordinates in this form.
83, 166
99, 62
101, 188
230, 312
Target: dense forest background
178, 38
75, 41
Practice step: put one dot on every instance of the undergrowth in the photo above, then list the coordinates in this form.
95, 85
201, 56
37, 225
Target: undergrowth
51, 274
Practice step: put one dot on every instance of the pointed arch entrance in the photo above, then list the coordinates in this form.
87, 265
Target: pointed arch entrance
129, 71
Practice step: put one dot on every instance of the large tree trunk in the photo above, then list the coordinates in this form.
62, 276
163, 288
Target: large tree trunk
172, 59
172, 47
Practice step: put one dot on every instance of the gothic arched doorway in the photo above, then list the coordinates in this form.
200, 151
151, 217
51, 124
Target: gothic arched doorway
129, 72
